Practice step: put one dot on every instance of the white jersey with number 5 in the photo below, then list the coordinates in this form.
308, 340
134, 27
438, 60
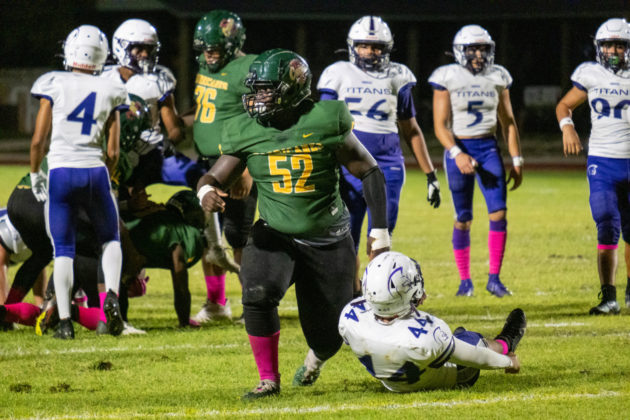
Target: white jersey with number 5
372, 97
608, 97
410, 354
474, 97
81, 104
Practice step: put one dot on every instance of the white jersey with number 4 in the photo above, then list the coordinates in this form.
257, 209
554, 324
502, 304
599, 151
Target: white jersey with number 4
81, 104
372, 97
474, 97
608, 97
409, 354
153, 88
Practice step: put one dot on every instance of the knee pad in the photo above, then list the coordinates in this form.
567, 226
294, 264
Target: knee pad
607, 233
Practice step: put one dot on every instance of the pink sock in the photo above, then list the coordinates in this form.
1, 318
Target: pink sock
89, 317
496, 249
22, 313
101, 298
266, 355
504, 345
216, 289
462, 260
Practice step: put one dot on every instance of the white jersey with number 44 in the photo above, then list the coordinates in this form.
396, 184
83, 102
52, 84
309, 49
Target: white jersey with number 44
609, 99
81, 105
409, 354
372, 97
474, 97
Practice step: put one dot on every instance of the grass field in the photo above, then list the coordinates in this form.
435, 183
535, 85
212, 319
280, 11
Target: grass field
573, 366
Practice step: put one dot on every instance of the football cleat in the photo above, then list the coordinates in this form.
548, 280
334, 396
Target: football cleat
497, 288
308, 373
211, 311
465, 288
514, 329
129, 329
265, 388
218, 256
628, 296
65, 330
101, 328
48, 318
111, 307
609, 307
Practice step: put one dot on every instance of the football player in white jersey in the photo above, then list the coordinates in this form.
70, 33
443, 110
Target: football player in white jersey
379, 95
81, 111
469, 98
606, 86
411, 350
135, 46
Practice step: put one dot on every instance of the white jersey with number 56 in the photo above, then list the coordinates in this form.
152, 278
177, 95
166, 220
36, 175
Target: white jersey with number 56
474, 98
372, 97
608, 97
81, 104
410, 354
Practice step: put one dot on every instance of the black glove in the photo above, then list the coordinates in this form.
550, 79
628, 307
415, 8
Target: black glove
433, 190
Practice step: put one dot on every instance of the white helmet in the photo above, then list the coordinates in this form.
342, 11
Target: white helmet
472, 35
392, 284
134, 32
615, 30
370, 30
85, 48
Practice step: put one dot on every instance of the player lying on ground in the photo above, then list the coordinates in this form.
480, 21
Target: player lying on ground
411, 350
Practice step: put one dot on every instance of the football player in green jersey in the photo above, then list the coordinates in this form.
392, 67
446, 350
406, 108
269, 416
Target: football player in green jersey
293, 148
223, 67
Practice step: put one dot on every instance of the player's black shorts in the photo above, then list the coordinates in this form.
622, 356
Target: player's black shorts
323, 278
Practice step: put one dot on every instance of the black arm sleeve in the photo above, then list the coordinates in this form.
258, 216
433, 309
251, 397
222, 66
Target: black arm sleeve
375, 196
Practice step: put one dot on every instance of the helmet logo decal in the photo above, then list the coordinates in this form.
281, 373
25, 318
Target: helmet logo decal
298, 71
228, 27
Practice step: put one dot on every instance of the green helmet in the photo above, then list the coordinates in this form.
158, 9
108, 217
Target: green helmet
133, 122
288, 77
219, 29
186, 203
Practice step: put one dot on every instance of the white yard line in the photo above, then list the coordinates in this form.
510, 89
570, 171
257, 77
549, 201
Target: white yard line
340, 408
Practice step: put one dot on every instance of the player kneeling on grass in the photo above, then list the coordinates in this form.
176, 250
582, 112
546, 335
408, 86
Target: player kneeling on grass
411, 350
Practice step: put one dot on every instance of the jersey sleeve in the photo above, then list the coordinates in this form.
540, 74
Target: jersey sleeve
438, 347
582, 77
403, 82
505, 75
438, 79
44, 87
328, 84
120, 100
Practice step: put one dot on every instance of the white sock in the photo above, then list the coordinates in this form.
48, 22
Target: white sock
111, 260
312, 362
63, 277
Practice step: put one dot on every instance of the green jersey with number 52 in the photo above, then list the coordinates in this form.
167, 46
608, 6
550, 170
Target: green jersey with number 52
295, 170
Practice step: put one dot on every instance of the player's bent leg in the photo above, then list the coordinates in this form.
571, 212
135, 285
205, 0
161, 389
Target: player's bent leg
513, 331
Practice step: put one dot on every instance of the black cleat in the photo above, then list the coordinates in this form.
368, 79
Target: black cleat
111, 307
514, 329
609, 307
65, 330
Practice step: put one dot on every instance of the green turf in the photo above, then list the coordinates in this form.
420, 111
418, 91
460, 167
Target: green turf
573, 366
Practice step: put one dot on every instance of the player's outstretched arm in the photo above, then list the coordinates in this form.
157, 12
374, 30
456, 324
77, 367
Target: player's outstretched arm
360, 163
412, 135
571, 143
212, 185
43, 125
511, 135
482, 357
